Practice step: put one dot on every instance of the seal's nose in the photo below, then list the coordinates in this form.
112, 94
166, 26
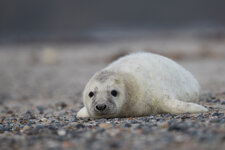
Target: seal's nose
100, 107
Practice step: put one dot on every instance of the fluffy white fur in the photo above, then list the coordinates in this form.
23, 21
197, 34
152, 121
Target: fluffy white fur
152, 84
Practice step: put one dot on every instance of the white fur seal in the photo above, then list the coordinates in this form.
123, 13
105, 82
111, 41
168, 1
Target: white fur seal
140, 84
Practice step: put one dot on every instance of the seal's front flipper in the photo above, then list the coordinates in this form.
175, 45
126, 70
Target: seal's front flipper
82, 113
174, 106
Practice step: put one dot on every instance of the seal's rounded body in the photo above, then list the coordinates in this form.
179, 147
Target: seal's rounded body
145, 83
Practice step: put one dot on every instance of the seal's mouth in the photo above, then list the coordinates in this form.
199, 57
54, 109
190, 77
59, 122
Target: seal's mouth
104, 113
109, 113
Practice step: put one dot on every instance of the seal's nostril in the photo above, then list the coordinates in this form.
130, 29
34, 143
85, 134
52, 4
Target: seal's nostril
101, 107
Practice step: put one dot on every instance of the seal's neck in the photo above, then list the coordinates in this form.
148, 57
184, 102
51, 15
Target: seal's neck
132, 94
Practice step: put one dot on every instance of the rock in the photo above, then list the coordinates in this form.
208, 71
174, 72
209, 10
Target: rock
177, 127
54, 126
80, 126
101, 120
100, 130
152, 117
164, 125
74, 119
216, 101
126, 125
61, 132
67, 144
147, 129
17, 128
114, 145
140, 126
223, 102
2, 129
214, 119
40, 109
30, 112
105, 125
61, 105
29, 115
44, 119
25, 128
145, 119
134, 121
218, 114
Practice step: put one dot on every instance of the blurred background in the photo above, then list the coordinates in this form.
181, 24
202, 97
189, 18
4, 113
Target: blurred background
77, 20
49, 49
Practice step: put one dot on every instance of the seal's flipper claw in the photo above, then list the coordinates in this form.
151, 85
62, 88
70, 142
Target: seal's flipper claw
82, 113
174, 106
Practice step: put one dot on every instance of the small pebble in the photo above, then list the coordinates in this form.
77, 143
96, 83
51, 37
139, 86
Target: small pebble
67, 144
61, 105
126, 125
29, 112
101, 120
29, 115
1, 129
80, 126
223, 102
152, 117
44, 119
100, 130
114, 145
40, 109
74, 119
218, 114
214, 119
105, 125
164, 125
61, 132
25, 128
216, 101
177, 127
133, 121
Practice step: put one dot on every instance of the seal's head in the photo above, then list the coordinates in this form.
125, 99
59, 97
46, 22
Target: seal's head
104, 94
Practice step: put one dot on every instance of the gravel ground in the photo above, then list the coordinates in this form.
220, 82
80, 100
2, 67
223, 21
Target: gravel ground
41, 88
56, 127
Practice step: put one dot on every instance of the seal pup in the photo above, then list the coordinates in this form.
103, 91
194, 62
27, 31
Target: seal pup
140, 84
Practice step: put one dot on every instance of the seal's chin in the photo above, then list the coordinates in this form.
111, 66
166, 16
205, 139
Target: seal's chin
107, 114
104, 116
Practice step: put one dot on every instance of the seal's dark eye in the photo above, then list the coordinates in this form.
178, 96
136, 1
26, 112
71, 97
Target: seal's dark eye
91, 94
114, 93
